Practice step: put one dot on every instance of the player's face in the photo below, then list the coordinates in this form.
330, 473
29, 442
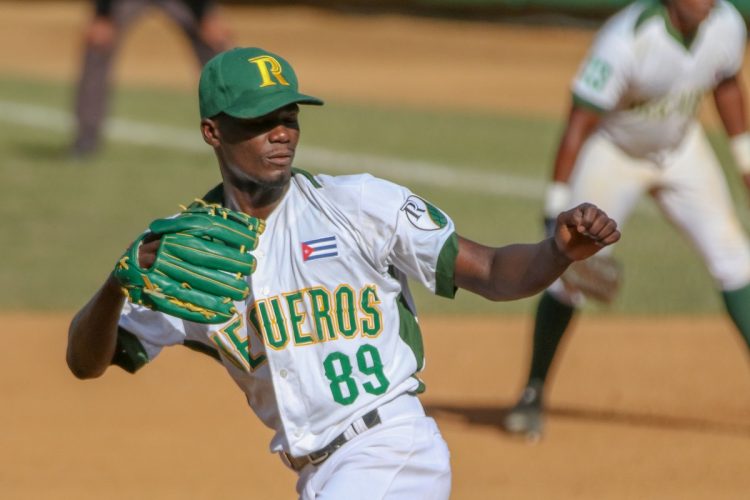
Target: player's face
690, 13
259, 151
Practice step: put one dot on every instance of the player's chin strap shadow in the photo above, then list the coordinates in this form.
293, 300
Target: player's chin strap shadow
492, 416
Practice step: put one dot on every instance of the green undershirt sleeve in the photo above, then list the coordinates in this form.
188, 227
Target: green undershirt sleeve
130, 355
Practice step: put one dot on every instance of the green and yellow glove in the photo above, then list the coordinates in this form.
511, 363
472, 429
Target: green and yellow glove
200, 265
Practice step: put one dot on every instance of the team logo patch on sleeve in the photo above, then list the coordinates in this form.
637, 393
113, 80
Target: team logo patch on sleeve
319, 248
422, 215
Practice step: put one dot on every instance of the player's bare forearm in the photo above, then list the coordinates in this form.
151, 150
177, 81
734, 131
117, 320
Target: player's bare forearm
581, 123
516, 271
92, 335
510, 272
730, 104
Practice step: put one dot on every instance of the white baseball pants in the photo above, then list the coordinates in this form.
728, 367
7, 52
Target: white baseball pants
403, 458
689, 187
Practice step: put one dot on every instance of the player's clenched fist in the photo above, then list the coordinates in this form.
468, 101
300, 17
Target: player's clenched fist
584, 230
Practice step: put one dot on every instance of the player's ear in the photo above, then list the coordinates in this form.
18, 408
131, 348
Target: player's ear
210, 131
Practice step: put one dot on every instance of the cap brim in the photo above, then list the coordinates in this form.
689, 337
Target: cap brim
243, 109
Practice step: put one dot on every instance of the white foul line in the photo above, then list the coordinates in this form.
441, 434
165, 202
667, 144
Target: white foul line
426, 173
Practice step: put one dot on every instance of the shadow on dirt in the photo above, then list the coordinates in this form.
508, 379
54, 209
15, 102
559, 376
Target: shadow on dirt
492, 416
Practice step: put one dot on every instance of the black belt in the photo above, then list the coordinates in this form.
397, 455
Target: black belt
370, 419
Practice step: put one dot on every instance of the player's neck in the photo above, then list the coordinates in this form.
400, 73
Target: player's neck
685, 27
254, 200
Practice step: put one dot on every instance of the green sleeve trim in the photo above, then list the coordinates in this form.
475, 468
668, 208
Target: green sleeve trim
420, 388
130, 355
196, 346
580, 102
307, 175
409, 331
736, 303
446, 268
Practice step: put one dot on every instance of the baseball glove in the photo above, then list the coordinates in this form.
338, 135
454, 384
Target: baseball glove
200, 264
599, 277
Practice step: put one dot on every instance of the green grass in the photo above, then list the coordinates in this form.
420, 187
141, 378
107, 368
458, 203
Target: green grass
66, 222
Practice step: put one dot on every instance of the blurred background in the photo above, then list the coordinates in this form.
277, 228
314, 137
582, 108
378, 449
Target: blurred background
460, 100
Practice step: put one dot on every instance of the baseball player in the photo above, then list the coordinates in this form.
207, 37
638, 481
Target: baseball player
326, 346
632, 129
198, 20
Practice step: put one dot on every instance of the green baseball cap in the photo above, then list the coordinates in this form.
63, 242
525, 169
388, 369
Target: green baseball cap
248, 82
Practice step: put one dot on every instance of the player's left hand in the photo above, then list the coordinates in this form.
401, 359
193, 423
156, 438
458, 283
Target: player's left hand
584, 230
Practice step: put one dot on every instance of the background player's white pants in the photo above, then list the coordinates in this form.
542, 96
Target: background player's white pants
689, 187
403, 458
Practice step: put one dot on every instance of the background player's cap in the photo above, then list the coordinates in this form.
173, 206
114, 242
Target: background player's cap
248, 82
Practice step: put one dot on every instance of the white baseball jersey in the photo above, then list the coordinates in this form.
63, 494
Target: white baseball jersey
329, 330
649, 80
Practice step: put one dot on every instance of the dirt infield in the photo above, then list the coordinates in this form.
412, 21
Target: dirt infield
642, 407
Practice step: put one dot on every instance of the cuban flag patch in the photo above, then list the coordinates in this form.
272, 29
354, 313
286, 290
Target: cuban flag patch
319, 248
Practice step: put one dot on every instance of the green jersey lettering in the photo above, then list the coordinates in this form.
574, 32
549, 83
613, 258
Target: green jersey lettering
372, 324
297, 318
321, 312
346, 313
